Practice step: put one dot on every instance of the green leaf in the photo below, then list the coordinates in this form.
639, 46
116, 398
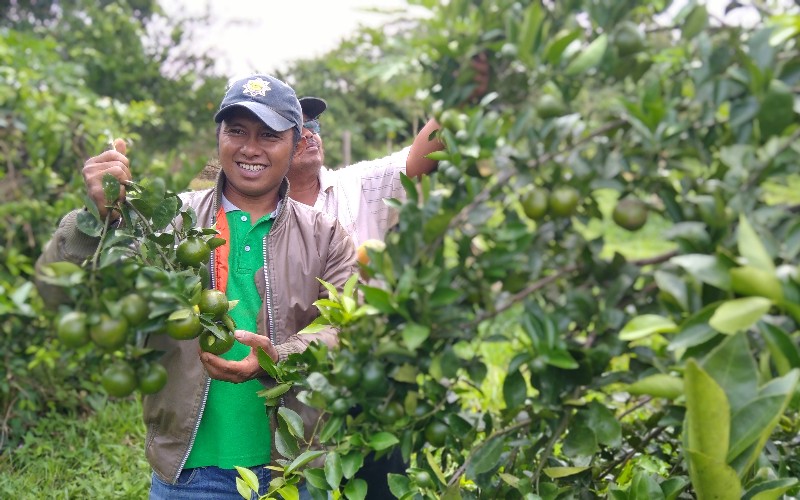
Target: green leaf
559, 472
515, 390
399, 485
557, 47
434, 465
707, 416
589, 57
783, 387
581, 441
644, 487
379, 299
739, 314
382, 440
711, 478
673, 285
486, 457
414, 335
248, 477
165, 212
286, 443
111, 188
288, 492
659, 385
331, 427
751, 281
560, 358
333, 469
706, 268
293, 421
695, 330
751, 248
770, 490
351, 463
696, 22
530, 24
304, 458
316, 478
646, 325
244, 490
444, 296
784, 352
88, 225
277, 391
356, 489
673, 486
751, 421
604, 424
732, 366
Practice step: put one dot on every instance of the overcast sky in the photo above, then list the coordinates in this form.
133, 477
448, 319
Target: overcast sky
266, 35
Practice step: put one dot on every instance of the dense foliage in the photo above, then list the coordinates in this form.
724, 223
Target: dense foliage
661, 376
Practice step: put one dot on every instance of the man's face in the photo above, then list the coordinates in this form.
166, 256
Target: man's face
314, 154
254, 157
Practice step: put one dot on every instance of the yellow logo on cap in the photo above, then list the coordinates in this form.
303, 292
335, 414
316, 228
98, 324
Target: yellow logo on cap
256, 87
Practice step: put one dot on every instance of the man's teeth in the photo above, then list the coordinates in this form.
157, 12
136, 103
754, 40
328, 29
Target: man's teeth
252, 167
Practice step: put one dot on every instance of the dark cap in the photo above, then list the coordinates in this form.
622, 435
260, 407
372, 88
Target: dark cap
271, 100
313, 106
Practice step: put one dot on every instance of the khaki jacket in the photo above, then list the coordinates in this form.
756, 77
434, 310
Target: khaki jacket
302, 245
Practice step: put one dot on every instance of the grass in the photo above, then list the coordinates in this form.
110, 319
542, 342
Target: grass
100, 455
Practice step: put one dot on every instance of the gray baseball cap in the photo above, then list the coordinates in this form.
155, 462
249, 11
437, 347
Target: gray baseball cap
272, 101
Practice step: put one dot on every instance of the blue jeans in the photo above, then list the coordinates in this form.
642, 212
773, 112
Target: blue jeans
212, 483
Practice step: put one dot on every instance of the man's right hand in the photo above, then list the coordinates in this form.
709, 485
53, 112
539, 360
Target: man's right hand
113, 162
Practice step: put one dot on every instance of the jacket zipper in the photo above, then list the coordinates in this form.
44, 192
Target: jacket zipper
213, 284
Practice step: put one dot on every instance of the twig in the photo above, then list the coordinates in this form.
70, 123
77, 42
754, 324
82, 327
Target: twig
460, 471
562, 426
103, 234
150, 228
649, 437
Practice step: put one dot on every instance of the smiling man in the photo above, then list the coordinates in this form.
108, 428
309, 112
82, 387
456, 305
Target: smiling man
209, 417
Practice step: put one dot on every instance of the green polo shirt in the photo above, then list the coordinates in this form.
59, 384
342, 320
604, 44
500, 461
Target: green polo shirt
234, 429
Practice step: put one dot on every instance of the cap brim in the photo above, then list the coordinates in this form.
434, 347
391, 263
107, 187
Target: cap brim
267, 116
313, 106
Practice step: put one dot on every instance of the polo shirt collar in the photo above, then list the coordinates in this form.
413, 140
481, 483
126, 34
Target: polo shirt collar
228, 206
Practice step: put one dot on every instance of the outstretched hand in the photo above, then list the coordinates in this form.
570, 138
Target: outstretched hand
244, 370
112, 162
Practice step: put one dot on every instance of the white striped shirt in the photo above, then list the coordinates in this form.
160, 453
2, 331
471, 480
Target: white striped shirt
355, 194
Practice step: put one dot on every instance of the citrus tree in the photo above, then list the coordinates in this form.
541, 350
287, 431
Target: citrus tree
617, 216
64, 89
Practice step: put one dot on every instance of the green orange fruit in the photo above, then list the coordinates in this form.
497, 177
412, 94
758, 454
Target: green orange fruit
630, 214
213, 302
152, 377
211, 343
109, 333
135, 308
72, 329
193, 252
119, 379
183, 324
563, 201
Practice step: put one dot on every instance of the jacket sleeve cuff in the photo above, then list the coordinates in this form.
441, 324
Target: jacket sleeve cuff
75, 244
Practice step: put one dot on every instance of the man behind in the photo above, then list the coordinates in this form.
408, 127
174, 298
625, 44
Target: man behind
209, 418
